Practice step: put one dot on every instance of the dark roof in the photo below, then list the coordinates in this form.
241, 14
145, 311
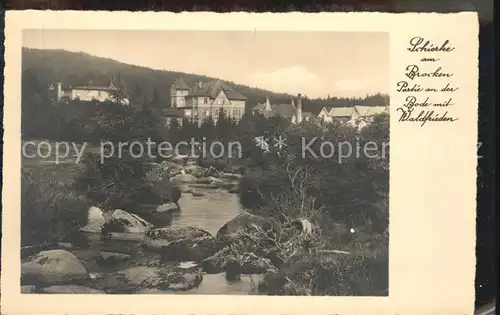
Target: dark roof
234, 95
210, 89
94, 88
110, 87
282, 110
180, 84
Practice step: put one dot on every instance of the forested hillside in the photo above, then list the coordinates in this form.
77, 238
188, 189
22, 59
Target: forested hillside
40, 67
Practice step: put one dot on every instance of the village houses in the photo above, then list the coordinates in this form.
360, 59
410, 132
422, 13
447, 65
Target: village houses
285, 110
358, 116
202, 100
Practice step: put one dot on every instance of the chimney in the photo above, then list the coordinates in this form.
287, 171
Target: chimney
299, 108
59, 91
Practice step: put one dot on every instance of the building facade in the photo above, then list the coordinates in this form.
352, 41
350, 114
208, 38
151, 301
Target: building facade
358, 116
86, 93
207, 99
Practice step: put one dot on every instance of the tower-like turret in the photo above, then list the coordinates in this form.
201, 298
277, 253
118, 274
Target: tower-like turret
299, 109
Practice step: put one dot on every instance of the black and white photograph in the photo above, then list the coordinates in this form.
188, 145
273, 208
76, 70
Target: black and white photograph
240, 163
205, 162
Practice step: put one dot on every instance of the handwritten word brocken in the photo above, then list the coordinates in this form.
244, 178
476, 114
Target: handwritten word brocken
413, 71
420, 44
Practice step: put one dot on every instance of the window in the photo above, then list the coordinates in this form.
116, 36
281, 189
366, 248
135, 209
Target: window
205, 100
99, 93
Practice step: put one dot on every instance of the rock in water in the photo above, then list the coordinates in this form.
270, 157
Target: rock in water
107, 259
53, 267
183, 179
167, 207
130, 223
95, 220
141, 278
181, 243
243, 222
198, 194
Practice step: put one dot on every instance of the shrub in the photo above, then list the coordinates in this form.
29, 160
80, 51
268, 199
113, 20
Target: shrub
49, 212
330, 274
117, 183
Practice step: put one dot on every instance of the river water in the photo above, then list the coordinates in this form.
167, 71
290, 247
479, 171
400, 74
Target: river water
209, 212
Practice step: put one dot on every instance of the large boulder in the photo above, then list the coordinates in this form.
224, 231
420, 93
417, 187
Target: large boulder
242, 263
244, 222
198, 194
53, 267
124, 222
167, 207
140, 278
210, 180
181, 243
95, 219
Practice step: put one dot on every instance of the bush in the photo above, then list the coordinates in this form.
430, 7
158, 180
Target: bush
353, 191
330, 274
49, 212
117, 183
335, 195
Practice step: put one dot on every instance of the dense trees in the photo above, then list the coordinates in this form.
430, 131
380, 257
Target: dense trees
145, 85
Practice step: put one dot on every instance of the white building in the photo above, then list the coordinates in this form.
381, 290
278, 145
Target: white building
86, 93
358, 116
207, 99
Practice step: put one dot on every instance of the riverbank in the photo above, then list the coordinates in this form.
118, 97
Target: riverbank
206, 244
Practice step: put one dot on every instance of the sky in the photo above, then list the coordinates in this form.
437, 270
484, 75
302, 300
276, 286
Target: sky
316, 64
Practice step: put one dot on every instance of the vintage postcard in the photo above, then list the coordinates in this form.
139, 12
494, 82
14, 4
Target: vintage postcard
202, 163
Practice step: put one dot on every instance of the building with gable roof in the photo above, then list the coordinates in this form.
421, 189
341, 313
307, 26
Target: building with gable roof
207, 99
86, 93
358, 116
